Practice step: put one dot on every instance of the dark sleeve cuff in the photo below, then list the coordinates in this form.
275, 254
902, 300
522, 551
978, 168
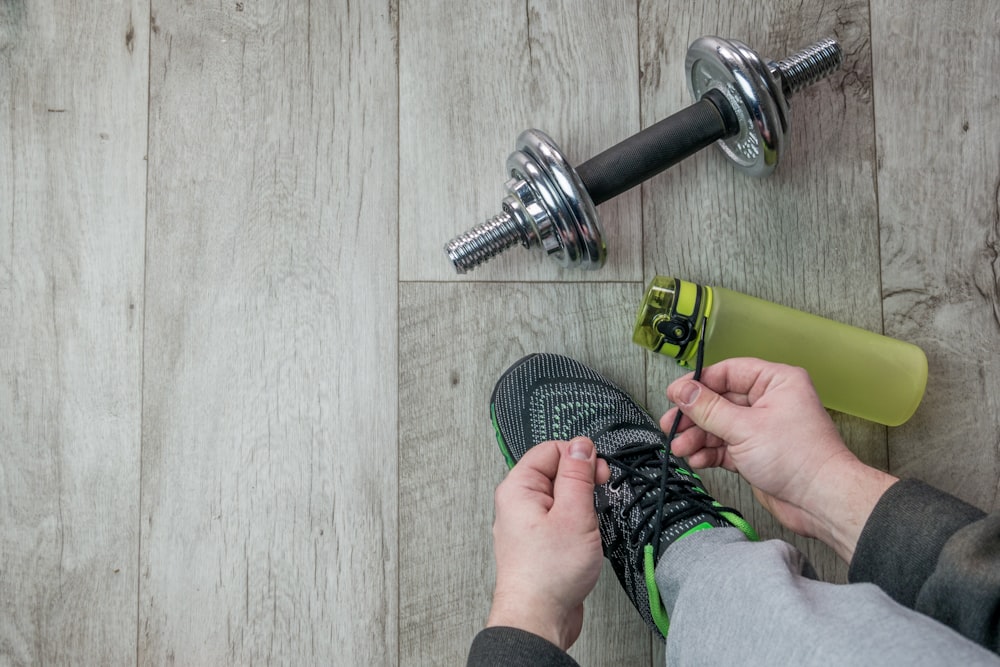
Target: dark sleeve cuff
510, 646
903, 538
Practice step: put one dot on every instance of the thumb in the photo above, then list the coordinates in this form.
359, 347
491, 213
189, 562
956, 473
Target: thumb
574, 483
712, 412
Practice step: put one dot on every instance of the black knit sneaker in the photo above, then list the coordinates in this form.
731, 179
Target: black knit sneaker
652, 499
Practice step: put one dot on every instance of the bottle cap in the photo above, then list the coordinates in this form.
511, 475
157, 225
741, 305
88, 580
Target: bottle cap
669, 318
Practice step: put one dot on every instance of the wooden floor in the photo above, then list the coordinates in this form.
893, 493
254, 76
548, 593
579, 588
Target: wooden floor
243, 395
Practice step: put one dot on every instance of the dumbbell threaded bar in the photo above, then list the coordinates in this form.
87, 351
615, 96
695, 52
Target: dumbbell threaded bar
742, 105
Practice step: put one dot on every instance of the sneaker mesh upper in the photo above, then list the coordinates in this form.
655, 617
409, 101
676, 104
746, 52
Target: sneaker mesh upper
550, 397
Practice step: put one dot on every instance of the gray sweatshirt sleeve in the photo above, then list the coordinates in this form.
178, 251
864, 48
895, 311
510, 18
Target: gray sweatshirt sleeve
936, 554
510, 646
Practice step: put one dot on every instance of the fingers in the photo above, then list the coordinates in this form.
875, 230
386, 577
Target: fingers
743, 380
667, 421
716, 402
711, 458
603, 473
710, 411
701, 449
543, 459
556, 469
573, 487
555, 472
531, 479
688, 437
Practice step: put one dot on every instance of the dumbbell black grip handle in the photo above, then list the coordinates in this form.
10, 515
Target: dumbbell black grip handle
658, 147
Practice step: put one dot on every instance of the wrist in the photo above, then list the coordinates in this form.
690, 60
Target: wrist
528, 613
841, 499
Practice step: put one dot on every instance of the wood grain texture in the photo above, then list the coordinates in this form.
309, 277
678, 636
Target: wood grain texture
807, 235
939, 200
455, 342
232, 435
72, 185
269, 459
475, 75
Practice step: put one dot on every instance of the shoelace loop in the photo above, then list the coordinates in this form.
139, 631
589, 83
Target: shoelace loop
654, 474
656, 480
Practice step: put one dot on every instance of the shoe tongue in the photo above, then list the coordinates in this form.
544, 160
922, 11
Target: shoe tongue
615, 437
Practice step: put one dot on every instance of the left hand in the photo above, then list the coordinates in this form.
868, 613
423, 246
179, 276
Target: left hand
765, 421
546, 540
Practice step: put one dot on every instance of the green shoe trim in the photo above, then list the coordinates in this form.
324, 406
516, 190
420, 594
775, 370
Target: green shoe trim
704, 525
656, 609
742, 524
503, 445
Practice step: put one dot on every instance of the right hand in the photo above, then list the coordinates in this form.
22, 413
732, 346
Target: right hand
547, 541
765, 421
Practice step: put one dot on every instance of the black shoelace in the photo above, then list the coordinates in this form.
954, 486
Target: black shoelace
654, 475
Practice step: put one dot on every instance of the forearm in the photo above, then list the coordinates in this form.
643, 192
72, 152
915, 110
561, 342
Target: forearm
840, 501
934, 553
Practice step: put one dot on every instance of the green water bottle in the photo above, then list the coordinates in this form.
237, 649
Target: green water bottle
854, 371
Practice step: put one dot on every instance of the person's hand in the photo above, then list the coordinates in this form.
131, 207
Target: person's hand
546, 540
765, 421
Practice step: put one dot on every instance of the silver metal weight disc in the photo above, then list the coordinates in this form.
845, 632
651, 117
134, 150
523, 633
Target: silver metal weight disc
757, 99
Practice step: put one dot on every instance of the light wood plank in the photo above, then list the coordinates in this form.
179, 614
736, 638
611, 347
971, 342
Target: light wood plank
807, 235
269, 510
472, 77
455, 342
72, 188
269, 459
939, 198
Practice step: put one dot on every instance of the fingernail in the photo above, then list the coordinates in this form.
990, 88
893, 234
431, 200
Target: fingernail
581, 449
688, 393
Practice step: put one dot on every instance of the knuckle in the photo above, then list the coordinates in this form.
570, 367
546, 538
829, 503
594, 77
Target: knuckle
798, 374
500, 493
710, 407
578, 474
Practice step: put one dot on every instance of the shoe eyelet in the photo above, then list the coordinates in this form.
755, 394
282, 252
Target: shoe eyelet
614, 487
